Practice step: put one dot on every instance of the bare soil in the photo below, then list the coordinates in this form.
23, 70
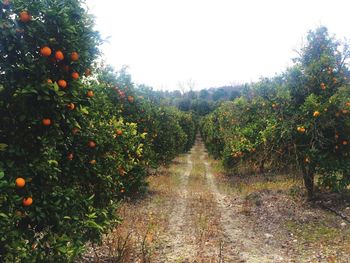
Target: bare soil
195, 213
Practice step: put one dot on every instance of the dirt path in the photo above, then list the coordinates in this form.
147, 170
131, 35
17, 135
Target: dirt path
192, 215
177, 237
237, 232
204, 226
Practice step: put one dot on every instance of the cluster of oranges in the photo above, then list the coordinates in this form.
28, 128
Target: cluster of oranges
59, 56
121, 94
20, 183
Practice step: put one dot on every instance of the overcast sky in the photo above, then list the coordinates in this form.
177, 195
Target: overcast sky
211, 42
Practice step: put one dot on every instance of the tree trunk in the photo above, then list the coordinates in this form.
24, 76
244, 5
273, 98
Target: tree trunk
308, 176
261, 167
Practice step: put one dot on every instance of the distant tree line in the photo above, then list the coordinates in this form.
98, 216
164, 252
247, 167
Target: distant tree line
201, 102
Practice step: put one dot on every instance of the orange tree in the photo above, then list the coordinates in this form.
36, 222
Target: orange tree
166, 130
62, 164
319, 89
299, 119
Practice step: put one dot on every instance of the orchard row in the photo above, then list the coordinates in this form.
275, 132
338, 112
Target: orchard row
298, 120
75, 138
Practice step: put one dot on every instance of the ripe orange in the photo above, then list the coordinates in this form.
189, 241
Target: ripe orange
49, 81
93, 162
27, 201
20, 182
24, 17
70, 156
307, 160
71, 106
121, 171
90, 94
75, 130
345, 142
45, 51
323, 86
46, 122
348, 104
75, 75
91, 144
119, 132
301, 129
87, 72
74, 56
62, 83
316, 113
131, 99
59, 55
122, 190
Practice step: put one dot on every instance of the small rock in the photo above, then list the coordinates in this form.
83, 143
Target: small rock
347, 208
267, 235
295, 240
343, 224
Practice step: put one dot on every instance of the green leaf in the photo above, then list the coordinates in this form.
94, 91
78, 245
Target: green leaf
3, 147
3, 215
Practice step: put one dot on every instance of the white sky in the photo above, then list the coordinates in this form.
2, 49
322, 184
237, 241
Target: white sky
211, 42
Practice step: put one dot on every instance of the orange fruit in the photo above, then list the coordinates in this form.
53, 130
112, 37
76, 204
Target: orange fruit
62, 83
91, 144
90, 94
70, 156
316, 113
87, 72
20, 182
345, 142
93, 162
27, 201
71, 106
122, 190
46, 122
45, 51
131, 99
119, 132
59, 55
24, 17
75, 75
74, 56
307, 160
323, 86
49, 81
301, 129
75, 130
121, 171
348, 104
